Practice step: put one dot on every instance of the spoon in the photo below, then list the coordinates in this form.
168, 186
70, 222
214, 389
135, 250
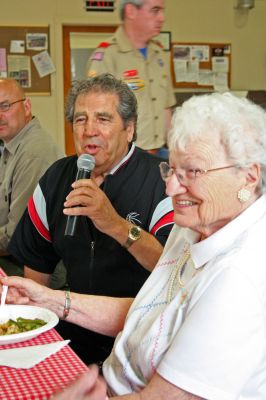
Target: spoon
3, 309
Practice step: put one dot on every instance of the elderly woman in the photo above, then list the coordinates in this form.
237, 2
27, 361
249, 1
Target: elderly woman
197, 328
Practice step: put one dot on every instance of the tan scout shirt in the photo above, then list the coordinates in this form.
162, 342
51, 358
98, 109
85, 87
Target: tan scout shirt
148, 78
23, 161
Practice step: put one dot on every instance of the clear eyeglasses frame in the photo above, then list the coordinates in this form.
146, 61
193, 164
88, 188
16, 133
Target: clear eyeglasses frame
187, 176
5, 106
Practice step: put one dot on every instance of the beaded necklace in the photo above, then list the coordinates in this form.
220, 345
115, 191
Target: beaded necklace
176, 276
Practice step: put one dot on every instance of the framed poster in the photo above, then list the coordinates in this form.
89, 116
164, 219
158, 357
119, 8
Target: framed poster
165, 39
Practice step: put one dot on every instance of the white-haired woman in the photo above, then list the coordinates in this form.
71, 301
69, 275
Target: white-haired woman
197, 328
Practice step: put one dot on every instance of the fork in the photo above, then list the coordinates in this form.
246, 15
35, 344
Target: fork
3, 310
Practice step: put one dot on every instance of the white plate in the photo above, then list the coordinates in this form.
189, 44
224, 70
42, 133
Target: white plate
15, 311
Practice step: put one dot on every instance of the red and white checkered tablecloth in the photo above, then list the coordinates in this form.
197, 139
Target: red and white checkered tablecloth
44, 379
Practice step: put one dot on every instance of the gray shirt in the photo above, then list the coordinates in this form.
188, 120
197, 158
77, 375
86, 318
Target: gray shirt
24, 160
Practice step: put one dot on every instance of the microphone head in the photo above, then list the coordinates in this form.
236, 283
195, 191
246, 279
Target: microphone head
86, 161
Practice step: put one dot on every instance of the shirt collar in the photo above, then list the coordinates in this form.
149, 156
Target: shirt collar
124, 160
122, 40
13, 144
204, 251
125, 45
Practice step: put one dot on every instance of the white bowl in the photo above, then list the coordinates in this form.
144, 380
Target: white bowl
31, 312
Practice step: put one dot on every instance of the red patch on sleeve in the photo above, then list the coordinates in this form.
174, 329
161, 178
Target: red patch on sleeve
104, 44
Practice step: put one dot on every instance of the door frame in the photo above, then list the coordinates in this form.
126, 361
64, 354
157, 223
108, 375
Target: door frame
67, 30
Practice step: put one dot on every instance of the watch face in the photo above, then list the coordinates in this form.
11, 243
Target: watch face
135, 232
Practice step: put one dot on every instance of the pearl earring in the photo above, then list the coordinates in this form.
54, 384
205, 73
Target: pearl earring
243, 195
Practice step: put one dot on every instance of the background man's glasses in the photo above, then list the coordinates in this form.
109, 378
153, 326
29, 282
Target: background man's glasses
186, 176
5, 106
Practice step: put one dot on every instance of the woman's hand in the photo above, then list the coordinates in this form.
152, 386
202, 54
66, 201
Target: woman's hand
26, 291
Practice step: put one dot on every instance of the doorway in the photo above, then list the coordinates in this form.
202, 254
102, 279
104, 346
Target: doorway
78, 44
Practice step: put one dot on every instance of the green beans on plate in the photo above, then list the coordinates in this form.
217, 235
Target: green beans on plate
20, 325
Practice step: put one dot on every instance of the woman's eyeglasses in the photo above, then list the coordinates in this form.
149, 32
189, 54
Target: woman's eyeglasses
186, 176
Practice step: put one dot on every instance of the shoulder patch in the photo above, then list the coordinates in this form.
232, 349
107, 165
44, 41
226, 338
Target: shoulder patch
98, 56
104, 44
92, 73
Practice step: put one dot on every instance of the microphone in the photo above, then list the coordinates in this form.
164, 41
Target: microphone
85, 164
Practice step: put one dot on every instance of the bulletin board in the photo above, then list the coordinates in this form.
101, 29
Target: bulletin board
201, 65
24, 56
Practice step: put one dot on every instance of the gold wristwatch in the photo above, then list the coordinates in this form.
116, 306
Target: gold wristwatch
134, 234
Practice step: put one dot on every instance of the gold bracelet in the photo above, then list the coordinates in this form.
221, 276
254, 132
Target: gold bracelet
67, 304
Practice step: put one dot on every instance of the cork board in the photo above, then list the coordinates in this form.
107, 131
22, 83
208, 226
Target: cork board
201, 65
18, 44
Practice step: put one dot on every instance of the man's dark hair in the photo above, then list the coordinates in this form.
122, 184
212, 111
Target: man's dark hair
105, 83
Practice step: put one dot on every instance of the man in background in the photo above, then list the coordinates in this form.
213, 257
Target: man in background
132, 55
26, 154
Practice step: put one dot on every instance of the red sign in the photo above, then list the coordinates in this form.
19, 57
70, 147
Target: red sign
91, 5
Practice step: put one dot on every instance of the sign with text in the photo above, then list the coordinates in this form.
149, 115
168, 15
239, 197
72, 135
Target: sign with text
91, 5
